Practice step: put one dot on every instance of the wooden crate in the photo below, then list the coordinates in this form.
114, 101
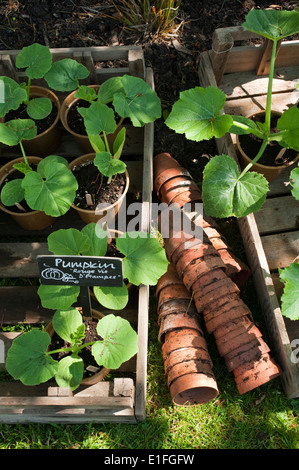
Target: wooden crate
271, 236
123, 399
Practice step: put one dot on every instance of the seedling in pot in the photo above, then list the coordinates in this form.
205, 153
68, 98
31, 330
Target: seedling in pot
51, 188
198, 114
30, 360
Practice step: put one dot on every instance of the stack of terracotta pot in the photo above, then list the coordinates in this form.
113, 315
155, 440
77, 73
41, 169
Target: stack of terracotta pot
187, 362
214, 276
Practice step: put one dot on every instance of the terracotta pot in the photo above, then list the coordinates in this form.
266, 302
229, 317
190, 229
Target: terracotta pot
217, 288
270, 172
33, 220
109, 212
246, 370
232, 341
178, 291
258, 377
183, 338
246, 353
173, 306
170, 175
192, 244
209, 279
170, 278
226, 328
186, 354
187, 197
201, 266
221, 289
178, 320
46, 142
213, 323
193, 389
195, 366
164, 161
82, 140
103, 372
175, 186
173, 242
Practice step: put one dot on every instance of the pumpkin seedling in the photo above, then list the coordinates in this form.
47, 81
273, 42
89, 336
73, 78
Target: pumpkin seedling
30, 360
198, 114
51, 188
144, 262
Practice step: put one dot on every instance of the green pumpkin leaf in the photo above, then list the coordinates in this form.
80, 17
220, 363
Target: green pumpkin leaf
99, 118
23, 167
27, 359
225, 194
14, 95
290, 296
39, 108
53, 159
145, 260
12, 192
12, 132
70, 372
107, 165
114, 298
58, 297
65, 74
36, 58
119, 342
137, 101
197, 114
96, 142
67, 242
66, 323
96, 238
294, 181
53, 191
272, 24
108, 89
235, 129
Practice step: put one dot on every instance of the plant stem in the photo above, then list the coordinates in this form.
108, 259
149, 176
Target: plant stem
270, 85
256, 158
28, 90
23, 153
106, 141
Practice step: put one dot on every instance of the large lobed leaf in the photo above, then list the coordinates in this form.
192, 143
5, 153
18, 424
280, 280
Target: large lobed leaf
64, 75
226, 194
119, 342
197, 114
145, 260
27, 359
14, 95
36, 59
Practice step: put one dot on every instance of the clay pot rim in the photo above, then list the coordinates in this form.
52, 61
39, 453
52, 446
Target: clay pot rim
205, 383
111, 206
203, 368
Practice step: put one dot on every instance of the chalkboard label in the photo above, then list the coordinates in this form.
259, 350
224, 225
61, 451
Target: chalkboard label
80, 270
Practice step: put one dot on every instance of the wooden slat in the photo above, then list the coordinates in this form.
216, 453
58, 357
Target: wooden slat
277, 215
19, 259
281, 248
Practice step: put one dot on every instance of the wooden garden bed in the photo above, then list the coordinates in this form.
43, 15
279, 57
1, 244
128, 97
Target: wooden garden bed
271, 237
122, 398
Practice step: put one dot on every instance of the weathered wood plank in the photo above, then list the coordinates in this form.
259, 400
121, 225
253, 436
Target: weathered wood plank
277, 215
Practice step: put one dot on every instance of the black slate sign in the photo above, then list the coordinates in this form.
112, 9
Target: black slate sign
80, 270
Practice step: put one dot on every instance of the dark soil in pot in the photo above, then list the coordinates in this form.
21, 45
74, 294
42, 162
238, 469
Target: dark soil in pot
41, 124
74, 118
90, 181
251, 145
